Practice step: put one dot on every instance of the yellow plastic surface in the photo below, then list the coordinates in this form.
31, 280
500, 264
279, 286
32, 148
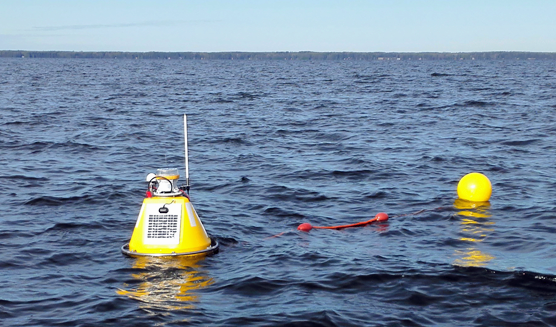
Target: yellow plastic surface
168, 177
474, 187
191, 238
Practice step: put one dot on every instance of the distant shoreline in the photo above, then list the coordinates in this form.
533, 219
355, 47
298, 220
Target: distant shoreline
301, 55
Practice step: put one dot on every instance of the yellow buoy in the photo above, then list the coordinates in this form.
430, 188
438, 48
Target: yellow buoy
167, 224
474, 187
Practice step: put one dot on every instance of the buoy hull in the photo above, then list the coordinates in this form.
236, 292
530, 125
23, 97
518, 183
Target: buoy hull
212, 249
474, 187
168, 226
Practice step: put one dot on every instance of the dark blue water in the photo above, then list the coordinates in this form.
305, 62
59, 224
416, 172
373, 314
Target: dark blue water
274, 144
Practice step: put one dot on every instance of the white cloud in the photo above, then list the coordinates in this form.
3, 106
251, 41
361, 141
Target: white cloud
118, 25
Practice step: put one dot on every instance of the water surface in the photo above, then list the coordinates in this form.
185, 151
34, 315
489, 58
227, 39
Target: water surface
274, 144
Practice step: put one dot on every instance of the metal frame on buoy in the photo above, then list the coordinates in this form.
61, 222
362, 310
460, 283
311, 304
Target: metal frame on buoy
168, 224
212, 249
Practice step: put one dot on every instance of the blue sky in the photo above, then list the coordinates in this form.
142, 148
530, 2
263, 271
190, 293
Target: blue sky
278, 25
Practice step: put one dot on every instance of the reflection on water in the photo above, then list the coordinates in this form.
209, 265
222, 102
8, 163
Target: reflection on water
475, 227
166, 283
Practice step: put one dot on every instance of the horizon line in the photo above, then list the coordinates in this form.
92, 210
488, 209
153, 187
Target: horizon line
283, 51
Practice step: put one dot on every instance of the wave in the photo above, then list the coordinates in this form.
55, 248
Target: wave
474, 103
88, 199
520, 142
41, 146
440, 74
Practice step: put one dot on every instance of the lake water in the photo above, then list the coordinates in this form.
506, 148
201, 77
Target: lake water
274, 144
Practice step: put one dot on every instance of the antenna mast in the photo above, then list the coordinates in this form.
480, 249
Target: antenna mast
186, 153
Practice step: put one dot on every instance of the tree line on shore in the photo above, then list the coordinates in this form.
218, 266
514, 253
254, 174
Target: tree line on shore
302, 55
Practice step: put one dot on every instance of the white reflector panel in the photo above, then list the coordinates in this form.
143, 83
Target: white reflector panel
162, 227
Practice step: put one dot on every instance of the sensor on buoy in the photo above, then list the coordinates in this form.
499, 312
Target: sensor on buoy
168, 224
474, 187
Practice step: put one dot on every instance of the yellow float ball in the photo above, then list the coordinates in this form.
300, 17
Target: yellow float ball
474, 187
